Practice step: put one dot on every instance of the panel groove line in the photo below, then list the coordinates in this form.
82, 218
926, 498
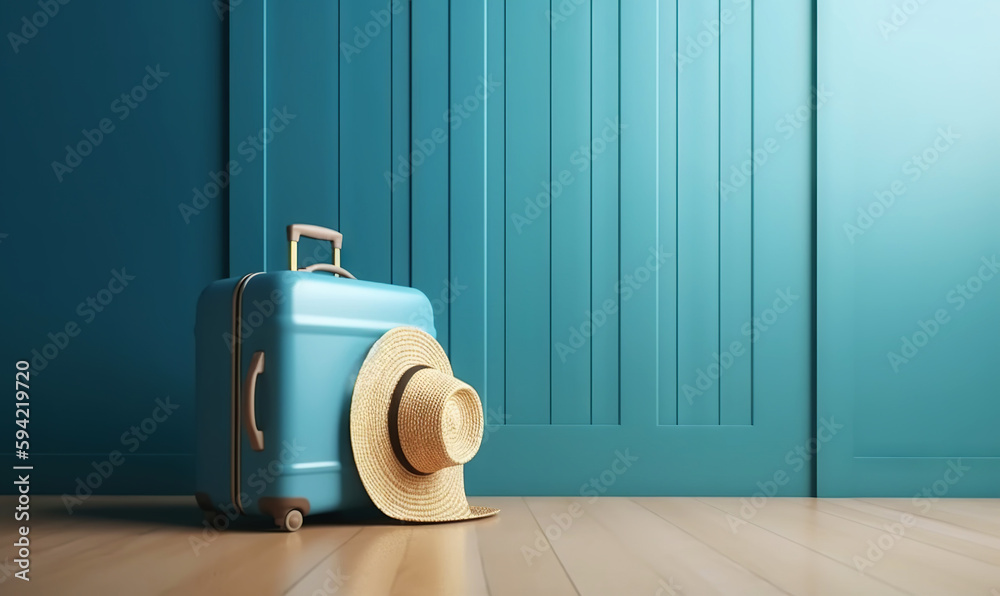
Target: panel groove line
718, 166
496, 412
551, 219
677, 169
448, 278
402, 90
753, 193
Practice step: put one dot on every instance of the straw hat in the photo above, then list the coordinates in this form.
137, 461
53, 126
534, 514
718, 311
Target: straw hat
413, 425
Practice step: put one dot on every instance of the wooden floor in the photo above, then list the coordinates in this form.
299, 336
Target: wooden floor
611, 546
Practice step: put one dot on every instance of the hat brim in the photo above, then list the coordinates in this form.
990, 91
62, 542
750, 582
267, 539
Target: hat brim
400, 494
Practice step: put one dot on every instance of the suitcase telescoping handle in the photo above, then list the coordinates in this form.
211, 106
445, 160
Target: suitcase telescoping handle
335, 238
255, 435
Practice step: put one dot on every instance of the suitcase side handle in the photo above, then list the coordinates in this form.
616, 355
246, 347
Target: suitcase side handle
255, 435
296, 231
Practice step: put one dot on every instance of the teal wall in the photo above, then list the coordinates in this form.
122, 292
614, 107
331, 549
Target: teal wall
119, 209
908, 203
429, 138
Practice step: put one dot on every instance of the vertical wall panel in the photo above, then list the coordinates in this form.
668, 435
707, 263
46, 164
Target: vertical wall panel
783, 217
639, 371
247, 192
528, 212
698, 211
303, 185
430, 264
399, 174
605, 125
479, 233
735, 211
130, 204
366, 140
572, 323
470, 88
496, 218
907, 363
665, 262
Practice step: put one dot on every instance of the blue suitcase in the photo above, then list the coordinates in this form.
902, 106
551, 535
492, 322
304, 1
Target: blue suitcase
277, 357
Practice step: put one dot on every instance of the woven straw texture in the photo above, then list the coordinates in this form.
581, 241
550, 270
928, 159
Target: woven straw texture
440, 428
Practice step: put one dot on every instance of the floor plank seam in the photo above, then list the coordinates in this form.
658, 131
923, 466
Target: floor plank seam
709, 546
735, 563
402, 560
901, 537
929, 518
320, 562
552, 547
925, 542
809, 548
482, 564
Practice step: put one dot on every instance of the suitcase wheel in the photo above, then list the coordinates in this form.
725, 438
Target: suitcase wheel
291, 522
287, 512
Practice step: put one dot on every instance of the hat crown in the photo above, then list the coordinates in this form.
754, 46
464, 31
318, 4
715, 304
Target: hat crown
440, 421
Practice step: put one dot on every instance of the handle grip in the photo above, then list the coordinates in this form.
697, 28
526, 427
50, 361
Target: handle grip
296, 231
255, 435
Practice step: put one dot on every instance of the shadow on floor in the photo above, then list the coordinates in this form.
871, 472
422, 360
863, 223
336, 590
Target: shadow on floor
181, 513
